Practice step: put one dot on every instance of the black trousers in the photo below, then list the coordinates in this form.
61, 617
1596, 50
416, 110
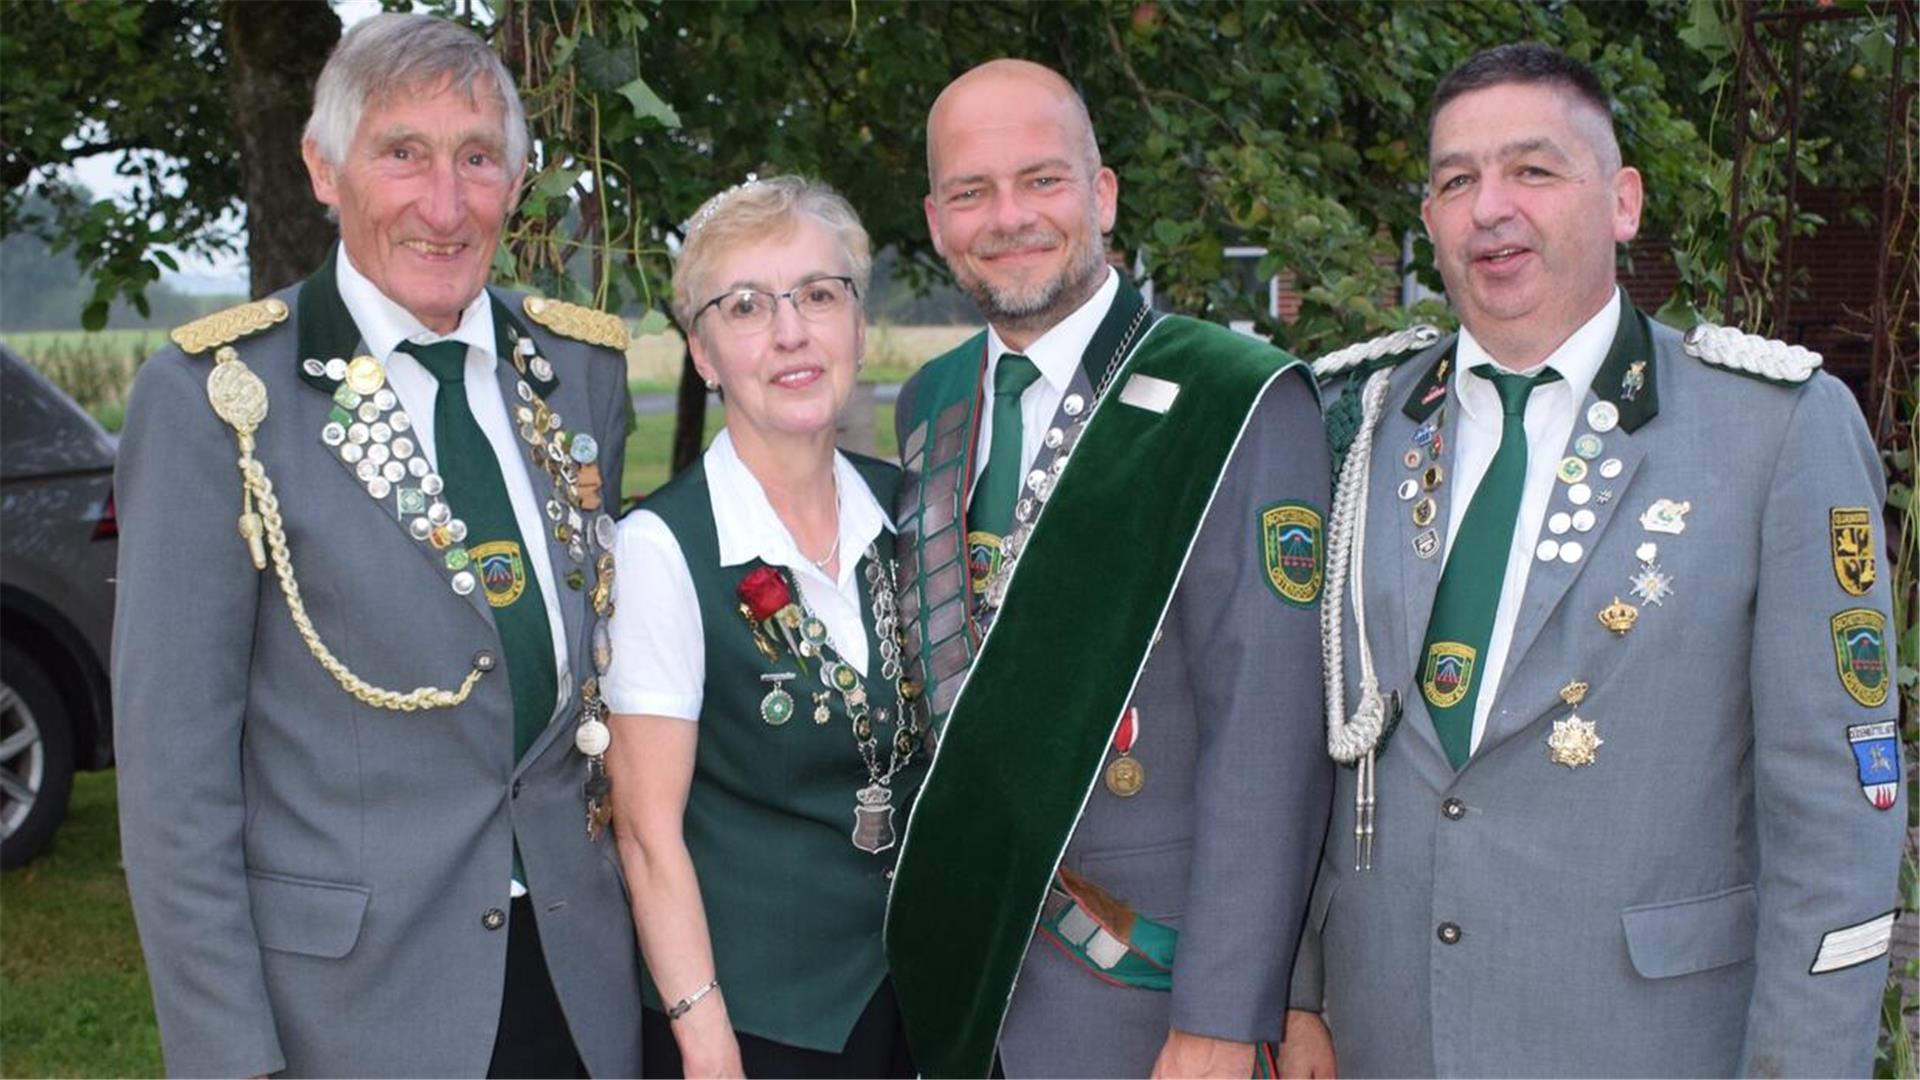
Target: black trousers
532, 1039
876, 1047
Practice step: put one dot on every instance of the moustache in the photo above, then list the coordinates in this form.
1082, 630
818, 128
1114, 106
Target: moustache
1001, 243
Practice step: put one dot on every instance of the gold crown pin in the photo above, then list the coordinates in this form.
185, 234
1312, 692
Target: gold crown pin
1619, 617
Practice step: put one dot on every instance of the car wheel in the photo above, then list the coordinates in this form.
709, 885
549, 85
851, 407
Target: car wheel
36, 757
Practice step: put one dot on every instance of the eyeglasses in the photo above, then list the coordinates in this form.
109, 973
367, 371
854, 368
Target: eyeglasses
750, 310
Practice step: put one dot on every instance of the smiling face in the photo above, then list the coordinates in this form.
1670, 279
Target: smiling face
1524, 205
1019, 201
421, 196
792, 378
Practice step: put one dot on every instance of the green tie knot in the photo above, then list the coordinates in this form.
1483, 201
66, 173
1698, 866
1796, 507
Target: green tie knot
1012, 375
447, 360
1514, 389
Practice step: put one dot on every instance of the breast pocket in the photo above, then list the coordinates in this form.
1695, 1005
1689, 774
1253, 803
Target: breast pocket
1700, 933
304, 916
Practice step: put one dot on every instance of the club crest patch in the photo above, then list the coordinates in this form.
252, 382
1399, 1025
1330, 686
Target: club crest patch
503, 573
1860, 650
1876, 752
1850, 532
1448, 675
1291, 544
983, 560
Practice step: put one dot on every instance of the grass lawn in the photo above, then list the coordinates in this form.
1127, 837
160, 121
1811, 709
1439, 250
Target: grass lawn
73, 987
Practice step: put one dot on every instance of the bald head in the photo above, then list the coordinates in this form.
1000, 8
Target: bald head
987, 93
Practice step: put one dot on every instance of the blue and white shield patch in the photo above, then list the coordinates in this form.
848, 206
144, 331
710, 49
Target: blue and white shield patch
1876, 753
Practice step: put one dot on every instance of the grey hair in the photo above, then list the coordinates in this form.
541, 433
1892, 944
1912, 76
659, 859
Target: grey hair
757, 211
389, 54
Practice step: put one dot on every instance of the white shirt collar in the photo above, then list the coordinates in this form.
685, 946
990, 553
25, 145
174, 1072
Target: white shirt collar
1578, 360
747, 527
384, 324
1057, 352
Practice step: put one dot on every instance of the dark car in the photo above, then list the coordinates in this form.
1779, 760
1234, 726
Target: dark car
58, 540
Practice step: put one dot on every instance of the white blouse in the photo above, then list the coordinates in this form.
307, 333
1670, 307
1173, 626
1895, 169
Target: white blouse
659, 644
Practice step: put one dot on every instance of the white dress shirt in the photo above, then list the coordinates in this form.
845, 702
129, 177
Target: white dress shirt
1552, 410
384, 325
1057, 354
659, 640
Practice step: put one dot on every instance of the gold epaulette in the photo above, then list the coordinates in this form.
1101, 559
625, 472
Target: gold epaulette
579, 323
225, 327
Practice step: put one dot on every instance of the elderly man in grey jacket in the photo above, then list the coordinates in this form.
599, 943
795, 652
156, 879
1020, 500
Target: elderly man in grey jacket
359, 737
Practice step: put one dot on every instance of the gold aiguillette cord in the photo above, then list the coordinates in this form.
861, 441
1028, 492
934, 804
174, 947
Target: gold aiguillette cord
240, 398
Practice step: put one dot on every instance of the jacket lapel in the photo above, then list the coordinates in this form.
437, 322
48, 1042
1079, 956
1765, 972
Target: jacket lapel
1626, 380
326, 332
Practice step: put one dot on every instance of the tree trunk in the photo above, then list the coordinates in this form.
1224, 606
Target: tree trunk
277, 48
689, 416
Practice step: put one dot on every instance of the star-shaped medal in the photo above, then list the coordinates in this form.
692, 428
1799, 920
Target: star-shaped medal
1573, 742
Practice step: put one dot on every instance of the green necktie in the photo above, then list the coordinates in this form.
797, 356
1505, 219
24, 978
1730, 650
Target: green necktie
477, 493
992, 510
1469, 592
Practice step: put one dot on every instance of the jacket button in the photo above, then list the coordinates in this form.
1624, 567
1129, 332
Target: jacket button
1454, 809
517, 784
1449, 934
483, 661
494, 919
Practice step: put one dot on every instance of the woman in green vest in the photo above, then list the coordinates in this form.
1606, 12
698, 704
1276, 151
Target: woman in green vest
763, 755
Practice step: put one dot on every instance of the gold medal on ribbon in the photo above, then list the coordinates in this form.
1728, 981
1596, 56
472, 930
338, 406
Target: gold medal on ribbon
1125, 775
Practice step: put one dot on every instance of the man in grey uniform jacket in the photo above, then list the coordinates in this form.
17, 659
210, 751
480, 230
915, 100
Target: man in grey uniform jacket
1621, 590
1181, 796
358, 737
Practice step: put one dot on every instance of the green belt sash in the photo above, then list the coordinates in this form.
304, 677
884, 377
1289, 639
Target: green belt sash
1028, 733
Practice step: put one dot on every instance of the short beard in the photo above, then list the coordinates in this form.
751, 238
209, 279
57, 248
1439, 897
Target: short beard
1039, 306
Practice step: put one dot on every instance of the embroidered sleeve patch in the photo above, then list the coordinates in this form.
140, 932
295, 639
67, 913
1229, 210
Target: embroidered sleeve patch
1853, 945
1860, 651
1293, 550
1850, 533
1876, 753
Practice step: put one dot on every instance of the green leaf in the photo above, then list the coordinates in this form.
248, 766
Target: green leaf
606, 68
647, 105
653, 322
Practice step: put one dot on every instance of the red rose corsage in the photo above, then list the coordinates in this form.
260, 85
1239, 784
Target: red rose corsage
766, 600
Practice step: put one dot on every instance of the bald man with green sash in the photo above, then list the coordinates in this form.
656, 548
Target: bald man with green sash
1111, 536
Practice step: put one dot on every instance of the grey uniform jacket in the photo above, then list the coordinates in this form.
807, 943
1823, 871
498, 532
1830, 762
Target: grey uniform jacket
1661, 911
1220, 841
313, 877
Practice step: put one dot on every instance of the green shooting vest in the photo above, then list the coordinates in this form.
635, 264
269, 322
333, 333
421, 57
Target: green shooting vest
793, 908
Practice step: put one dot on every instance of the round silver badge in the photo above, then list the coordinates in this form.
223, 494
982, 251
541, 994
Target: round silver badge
1559, 522
366, 470
419, 528
1547, 551
1408, 489
334, 433
399, 421
379, 488
1571, 551
1579, 494
419, 467
336, 369
394, 472
368, 411
384, 399
604, 531
432, 484
439, 513
358, 432
351, 453
1054, 438
381, 432
1603, 416
462, 582
540, 368
584, 449
378, 453
313, 368
523, 391
457, 530
1074, 405
1583, 520
1610, 468
592, 738
402, 447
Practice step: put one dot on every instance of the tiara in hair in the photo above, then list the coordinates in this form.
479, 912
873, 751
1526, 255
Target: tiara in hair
713, 205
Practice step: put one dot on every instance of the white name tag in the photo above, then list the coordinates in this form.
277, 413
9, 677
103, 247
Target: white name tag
1854, 944
1149, 393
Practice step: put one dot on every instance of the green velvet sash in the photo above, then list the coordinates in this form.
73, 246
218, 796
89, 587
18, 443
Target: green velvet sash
1026, 737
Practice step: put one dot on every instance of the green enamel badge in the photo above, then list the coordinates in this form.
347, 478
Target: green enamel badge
1293, 547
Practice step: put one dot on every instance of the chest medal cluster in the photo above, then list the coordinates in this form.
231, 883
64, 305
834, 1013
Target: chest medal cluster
775, 609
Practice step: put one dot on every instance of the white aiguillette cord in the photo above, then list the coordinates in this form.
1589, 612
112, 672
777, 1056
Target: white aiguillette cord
1353, 741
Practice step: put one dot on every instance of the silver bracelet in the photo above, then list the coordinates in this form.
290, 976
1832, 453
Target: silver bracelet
679, 1008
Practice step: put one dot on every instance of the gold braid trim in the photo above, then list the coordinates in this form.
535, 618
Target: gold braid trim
240, 398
